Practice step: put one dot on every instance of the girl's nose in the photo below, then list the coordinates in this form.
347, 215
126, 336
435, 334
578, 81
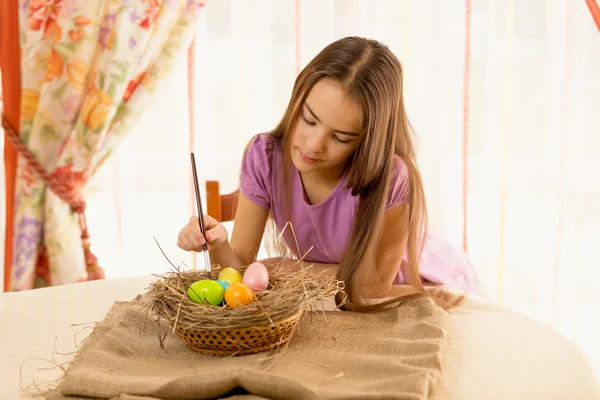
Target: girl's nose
316, 143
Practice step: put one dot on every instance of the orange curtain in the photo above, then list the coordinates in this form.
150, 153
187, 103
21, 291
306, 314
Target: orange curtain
11, 88
595, 10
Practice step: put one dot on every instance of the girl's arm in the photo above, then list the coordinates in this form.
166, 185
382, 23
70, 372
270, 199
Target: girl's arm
248, 229
390, 251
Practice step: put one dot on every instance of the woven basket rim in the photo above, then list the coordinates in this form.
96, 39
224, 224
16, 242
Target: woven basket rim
297, 314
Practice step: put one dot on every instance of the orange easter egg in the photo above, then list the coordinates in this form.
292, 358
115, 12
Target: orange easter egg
238, 295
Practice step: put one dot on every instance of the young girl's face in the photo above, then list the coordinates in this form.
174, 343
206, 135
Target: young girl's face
328, 130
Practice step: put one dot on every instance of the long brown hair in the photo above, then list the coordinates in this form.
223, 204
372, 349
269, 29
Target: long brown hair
372, 76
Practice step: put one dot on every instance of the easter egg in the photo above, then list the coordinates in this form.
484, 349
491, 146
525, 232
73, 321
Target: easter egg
206, 291
256, 276
238, 295
225, 284
230, 275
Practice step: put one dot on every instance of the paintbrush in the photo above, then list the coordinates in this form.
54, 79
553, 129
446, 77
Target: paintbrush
201, 217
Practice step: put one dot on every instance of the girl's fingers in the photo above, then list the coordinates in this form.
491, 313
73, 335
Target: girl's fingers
194, 227
184, 243
210, 222
216, 235
191, 237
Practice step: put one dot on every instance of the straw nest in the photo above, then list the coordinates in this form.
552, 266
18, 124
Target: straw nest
288, 294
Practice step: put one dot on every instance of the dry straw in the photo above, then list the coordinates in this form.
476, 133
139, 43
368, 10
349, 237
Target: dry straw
288, 293
266, 323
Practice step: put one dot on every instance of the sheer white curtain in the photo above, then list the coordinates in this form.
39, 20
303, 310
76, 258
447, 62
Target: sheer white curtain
533, 160
245, 69
534, 138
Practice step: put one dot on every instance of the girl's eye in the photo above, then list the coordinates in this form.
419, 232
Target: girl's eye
337, 138
307, 121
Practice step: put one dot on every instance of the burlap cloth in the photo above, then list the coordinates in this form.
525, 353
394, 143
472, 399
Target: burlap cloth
392, 354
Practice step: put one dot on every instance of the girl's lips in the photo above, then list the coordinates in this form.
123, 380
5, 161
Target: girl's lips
306, 158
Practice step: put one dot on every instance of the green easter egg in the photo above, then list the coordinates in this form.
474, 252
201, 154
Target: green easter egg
206, 291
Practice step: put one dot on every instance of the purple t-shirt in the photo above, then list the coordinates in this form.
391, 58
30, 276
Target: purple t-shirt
326, 226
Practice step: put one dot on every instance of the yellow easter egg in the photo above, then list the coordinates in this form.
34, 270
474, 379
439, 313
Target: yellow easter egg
230, 275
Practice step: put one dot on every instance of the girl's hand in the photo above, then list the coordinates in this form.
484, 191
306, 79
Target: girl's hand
444, 296
191, 239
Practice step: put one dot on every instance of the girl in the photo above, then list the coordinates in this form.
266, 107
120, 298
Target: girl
340, 168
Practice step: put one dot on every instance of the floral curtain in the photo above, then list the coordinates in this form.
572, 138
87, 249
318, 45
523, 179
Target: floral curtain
88, 71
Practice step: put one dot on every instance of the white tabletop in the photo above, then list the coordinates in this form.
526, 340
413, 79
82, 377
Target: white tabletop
36, 323
492, 353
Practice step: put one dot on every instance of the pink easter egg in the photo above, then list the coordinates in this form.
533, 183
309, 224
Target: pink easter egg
256, 276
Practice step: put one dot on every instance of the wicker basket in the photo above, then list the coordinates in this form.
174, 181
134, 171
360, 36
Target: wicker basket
240, 341
263, 325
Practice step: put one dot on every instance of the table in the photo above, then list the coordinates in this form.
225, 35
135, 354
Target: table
493, 353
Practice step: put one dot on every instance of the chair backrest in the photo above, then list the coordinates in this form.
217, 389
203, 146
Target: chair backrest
220, 206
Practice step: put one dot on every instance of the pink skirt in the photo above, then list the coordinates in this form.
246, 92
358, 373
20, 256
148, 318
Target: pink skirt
445, 264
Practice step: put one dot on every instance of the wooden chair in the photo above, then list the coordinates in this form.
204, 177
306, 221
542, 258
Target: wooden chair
221, 207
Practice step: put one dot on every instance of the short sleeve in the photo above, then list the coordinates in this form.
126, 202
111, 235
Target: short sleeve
255, 177
399, 184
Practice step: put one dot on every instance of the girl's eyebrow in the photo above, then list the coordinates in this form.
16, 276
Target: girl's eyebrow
337, 130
